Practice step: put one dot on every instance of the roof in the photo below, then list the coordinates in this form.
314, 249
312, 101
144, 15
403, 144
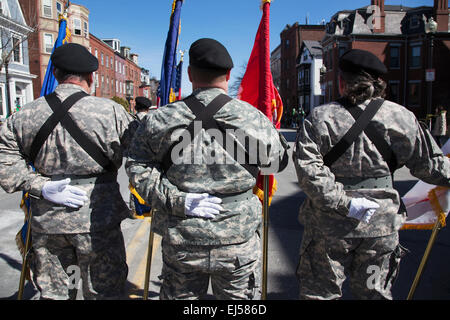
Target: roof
314, 47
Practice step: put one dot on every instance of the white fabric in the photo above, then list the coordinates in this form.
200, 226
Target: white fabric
418, 205
362, 209
60, 192
202, 205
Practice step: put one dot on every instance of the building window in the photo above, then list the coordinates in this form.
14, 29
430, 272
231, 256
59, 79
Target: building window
112, 64
86, 29
415, 57
17, 49
96, 53
414, 94
59, 8
306, 76
48, 43
394, 91
414, 22
47, 8
395, 57
96, 80
102, 59
342, 50
107, 61
287, 43
77, 27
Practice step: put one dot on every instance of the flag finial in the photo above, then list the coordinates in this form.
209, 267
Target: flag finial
263, 2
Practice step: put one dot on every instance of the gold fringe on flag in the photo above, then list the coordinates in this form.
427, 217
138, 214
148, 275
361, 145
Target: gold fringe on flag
437, 208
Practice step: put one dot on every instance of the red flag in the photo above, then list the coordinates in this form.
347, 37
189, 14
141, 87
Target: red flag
257, 87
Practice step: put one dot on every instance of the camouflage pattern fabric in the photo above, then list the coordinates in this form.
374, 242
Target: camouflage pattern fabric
334, 244
234, 271
167, 192
100, 257
327, 203
372, 265
105, 122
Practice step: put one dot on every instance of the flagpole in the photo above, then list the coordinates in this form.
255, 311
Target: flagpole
265, 236
149, 257
25, 258
437, 227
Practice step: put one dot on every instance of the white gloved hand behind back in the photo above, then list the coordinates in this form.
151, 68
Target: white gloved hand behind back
60, 192
362, 209
202, 205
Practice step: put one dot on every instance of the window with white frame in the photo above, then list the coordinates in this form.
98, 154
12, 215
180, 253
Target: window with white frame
77, 26
17, 49
47, 8
59, 7
48, 43
86, 29
96, 53
102, 59
107, 61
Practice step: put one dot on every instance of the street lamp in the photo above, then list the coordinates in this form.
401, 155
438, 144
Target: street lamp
430, 28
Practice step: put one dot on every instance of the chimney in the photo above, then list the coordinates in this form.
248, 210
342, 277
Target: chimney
379, 15
440, 12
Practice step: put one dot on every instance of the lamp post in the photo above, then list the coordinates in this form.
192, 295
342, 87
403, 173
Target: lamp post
430, 28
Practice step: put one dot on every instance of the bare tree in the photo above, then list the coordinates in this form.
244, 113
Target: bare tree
234, 87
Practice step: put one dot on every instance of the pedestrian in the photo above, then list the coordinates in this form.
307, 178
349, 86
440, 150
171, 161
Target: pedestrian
76, 203
139, 208
213, 219
440, 126
352, 212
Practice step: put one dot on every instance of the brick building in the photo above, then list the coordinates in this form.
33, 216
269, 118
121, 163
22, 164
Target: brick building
291, 40
44, 14
398, 36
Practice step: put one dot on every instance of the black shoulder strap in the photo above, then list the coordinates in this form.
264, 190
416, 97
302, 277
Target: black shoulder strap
53, 120
379, 141
77, 134
206, 116
349, 138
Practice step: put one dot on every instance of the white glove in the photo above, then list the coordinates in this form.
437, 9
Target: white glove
362, 209
202, 205
60, 192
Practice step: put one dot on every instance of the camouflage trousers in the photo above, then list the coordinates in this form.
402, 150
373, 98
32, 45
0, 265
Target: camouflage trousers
234, 271
97, 259
372, 265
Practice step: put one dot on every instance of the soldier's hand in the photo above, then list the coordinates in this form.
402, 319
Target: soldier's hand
362, 209
60, 192
202, 205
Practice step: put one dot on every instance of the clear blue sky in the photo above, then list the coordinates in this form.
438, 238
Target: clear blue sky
142, 25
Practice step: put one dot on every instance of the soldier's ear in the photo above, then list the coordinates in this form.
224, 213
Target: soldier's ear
228, 75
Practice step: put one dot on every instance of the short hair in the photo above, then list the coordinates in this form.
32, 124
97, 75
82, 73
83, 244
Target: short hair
207, 75
63, 75
361, 86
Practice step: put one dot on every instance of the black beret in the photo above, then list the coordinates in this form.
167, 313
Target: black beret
356, 60
209, 54
143, 103
75, 58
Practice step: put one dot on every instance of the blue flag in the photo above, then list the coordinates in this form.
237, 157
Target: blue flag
50, 83
170, 54
48, 87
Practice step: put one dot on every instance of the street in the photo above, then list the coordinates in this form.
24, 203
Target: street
284, 242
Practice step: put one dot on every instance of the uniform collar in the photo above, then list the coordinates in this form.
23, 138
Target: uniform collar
65, 86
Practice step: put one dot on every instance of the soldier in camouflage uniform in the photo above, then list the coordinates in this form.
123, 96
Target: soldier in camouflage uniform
76, 204
353, 231
211, 217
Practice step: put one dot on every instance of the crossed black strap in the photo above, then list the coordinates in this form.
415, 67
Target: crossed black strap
61, 115
363, 124
205, 116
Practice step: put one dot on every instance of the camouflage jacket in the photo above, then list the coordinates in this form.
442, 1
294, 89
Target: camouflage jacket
327, 203
105, 122
154, 138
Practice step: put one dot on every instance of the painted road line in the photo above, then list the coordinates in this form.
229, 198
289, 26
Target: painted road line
133, 245
139, 276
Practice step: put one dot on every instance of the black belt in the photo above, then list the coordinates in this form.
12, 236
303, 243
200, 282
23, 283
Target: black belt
354, 183
101, 178
246, 195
